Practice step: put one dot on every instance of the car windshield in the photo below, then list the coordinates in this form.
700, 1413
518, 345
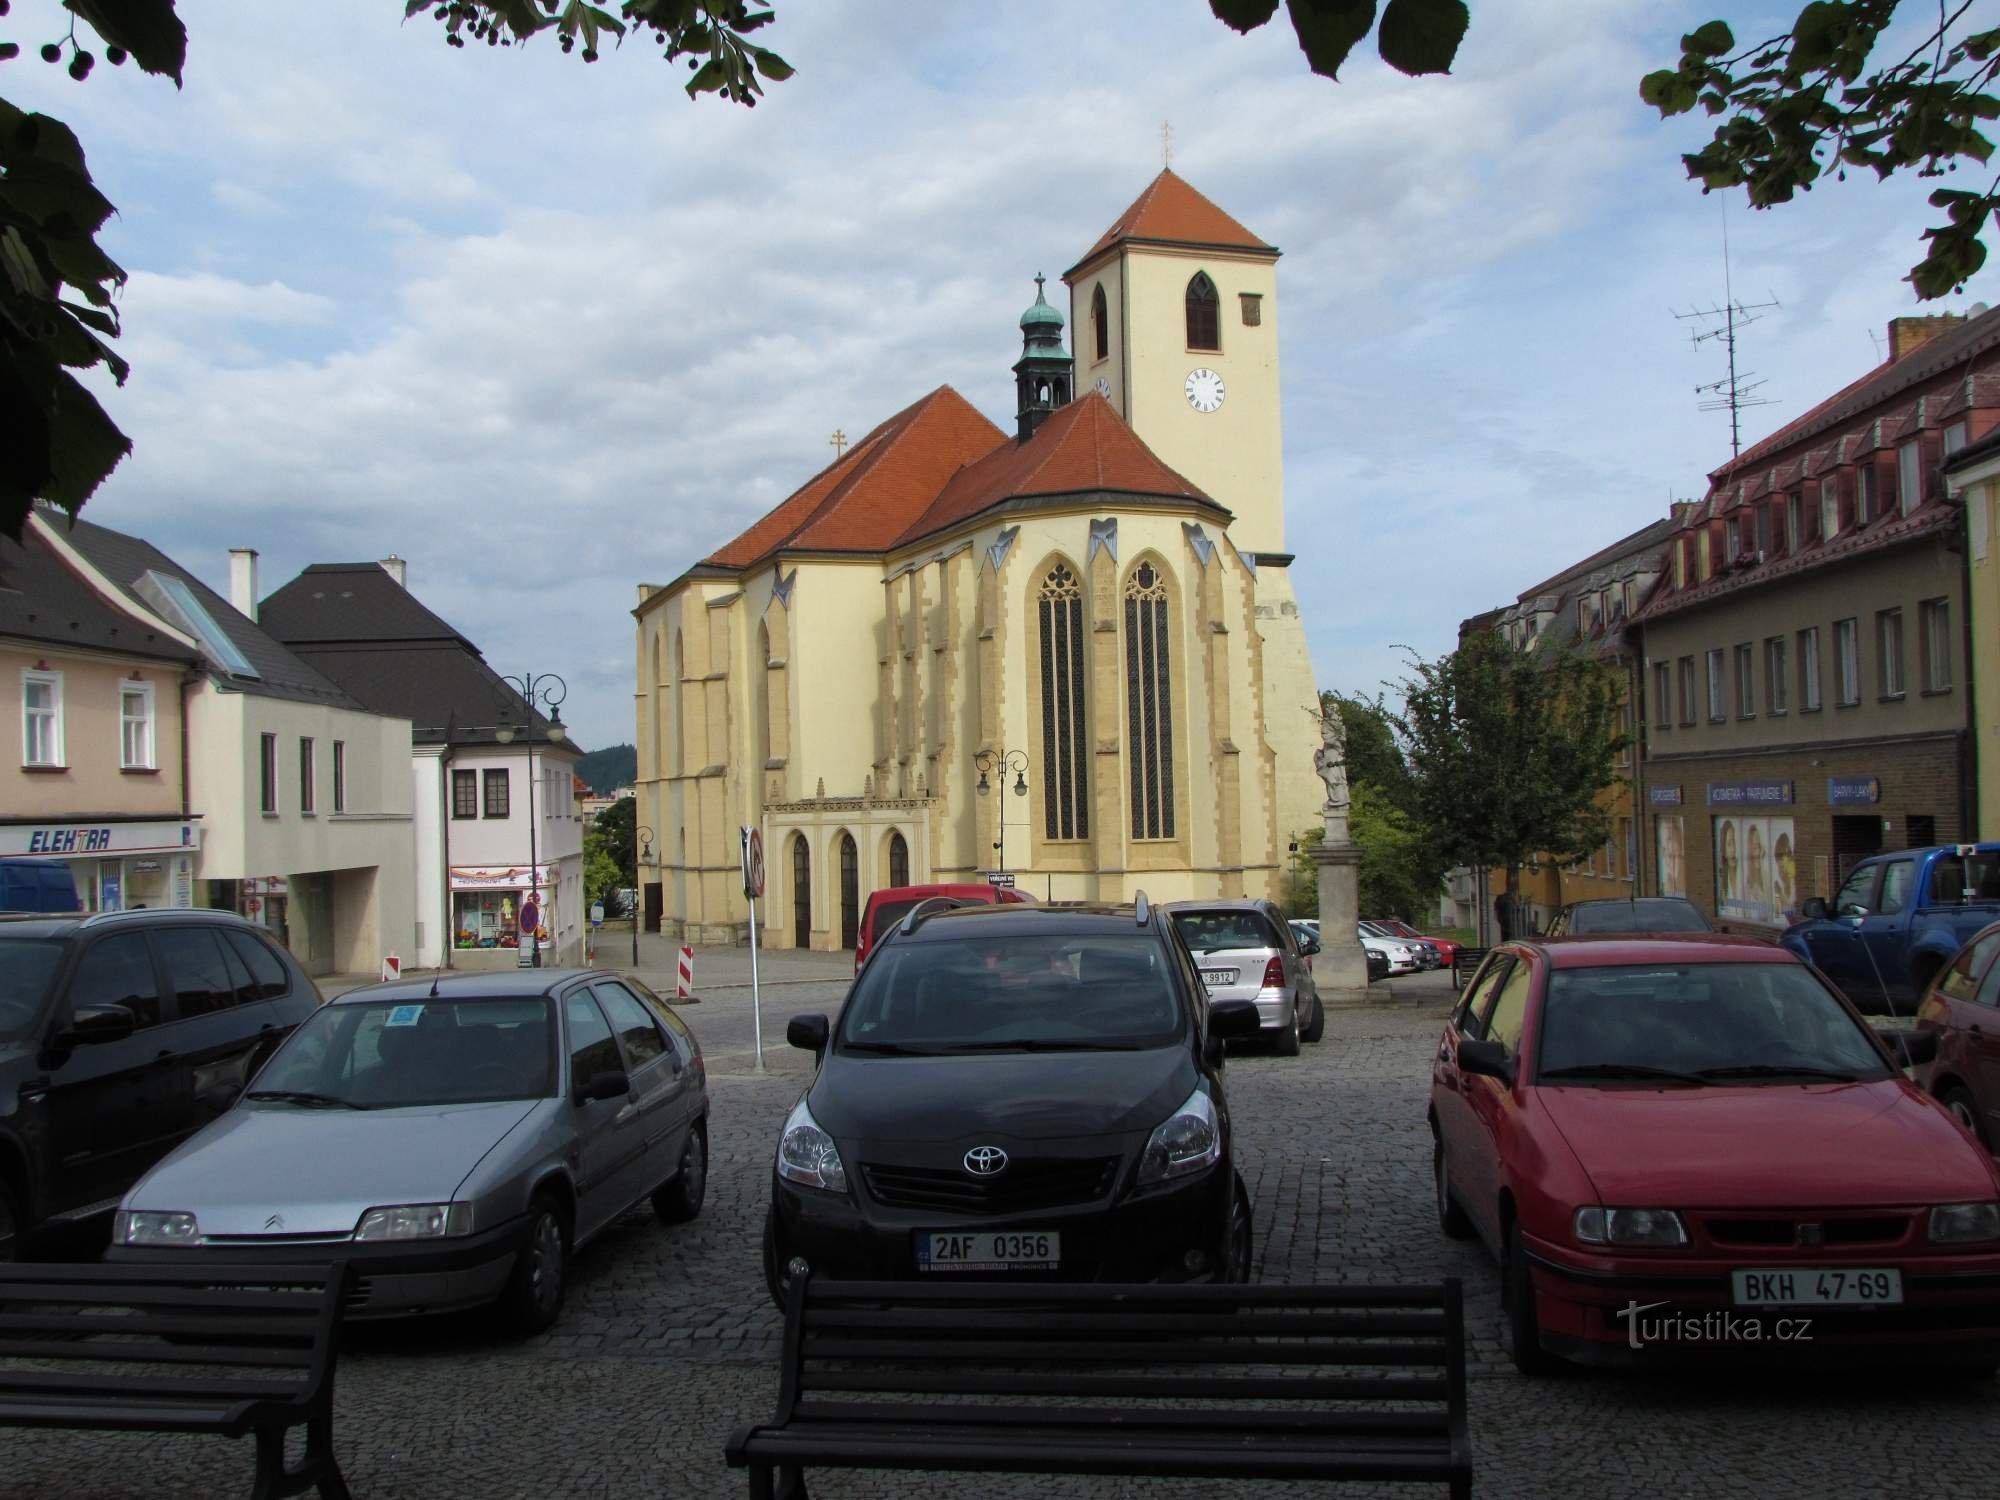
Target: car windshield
995, 993
1217, 931
1703, 1023
391, 1054
26, 967
1636, 916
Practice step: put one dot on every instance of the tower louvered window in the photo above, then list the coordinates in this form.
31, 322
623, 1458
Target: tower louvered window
1204, 313
1100, 321
1149, 705
1066, 797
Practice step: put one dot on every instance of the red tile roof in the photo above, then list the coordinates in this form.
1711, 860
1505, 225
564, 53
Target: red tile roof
1084, 447
1172, 211
864, 500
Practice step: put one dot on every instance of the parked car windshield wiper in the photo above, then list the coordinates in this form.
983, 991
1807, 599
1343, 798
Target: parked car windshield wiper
1780, 1070
299, 1096
889, 1049
1620, 1070
1033, 1044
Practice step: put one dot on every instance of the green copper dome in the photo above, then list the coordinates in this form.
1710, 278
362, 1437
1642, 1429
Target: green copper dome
1041, 315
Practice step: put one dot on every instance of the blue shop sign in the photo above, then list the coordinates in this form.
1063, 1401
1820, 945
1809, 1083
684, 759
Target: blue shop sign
1749, 793
1664, 796
1853, 791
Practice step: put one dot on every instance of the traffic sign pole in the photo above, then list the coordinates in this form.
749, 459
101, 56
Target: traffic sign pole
753, 887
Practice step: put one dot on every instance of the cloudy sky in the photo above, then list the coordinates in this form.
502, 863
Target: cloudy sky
547, 329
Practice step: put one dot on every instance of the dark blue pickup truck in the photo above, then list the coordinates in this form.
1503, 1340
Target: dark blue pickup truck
1897, 920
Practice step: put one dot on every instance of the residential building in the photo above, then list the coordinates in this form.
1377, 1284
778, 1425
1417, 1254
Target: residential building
303, 812
1808, 646
1972, 476
1587, 607
1072, 652
492, 781
93, 760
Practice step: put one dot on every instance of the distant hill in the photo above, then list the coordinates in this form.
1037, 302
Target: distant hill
604, 771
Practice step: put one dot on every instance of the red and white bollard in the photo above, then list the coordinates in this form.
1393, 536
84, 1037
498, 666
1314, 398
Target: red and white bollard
684, 986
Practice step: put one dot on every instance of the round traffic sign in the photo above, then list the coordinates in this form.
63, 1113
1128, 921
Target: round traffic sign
531, 917
756, 862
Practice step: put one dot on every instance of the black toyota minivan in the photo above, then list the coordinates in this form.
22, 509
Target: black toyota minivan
1016, 1093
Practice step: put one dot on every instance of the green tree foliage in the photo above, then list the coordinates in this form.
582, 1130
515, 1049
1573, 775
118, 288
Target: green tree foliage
1816, 99
601, 877
605, 771
1299, 888
1373, 756
609, 837
1398, 876
1508, 750
57, 286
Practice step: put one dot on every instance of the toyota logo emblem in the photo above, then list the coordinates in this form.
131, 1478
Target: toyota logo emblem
276, 1221
984, 1161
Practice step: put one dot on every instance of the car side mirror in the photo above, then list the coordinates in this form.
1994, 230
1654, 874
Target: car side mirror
1814, 909
1309, 947
1485, 1059
1233, 1020
1854, 909
808, 1033
1914, 1047
610, 1084
92, 1024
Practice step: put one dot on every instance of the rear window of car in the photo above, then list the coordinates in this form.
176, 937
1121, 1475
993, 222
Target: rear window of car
1222, 931
1637, 916
1014, 993
1957, 878
27, 967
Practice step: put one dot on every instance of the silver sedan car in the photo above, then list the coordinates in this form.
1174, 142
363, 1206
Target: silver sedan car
454, 1141
1246, 950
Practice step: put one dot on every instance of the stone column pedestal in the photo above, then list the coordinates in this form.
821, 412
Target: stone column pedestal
1340, 968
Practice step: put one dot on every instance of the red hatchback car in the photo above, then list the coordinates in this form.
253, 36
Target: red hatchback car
1677, 1143
1963, 1009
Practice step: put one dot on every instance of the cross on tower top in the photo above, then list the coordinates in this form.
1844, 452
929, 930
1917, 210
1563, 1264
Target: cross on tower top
838, 442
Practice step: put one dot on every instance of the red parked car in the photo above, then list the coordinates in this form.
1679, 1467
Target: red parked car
1963, 1009
891, 904
1685, 1146
1447, 949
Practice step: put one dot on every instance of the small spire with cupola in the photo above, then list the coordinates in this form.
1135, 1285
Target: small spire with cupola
1044, 372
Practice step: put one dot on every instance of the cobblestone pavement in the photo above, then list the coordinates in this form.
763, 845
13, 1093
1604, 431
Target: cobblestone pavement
668, 1339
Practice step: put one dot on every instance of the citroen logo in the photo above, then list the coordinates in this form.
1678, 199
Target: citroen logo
276, 1221
984, 1161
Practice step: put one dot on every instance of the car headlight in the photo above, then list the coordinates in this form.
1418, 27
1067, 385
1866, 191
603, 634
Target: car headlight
140, 1226
1965, 1223
415, 1221
1187, 1141
807, 1154
1629, 1226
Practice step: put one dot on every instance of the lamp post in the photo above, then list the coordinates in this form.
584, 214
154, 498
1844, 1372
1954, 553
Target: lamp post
548, 690
642, 847
1001, 760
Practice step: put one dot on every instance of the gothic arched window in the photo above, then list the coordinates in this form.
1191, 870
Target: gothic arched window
1149, 705
1100, 321
1204, 313
1065, 751
899, 860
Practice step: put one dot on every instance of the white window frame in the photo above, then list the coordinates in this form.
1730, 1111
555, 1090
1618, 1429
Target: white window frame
147, 758
1810, 696
1718, 688
1954, 438
1909, 475
1889, 650
340, 776
1864, 493
53, 714
1746, 681
1794, 521
308, 777
1777, 669
1829, 509
1847, 660
1936, 619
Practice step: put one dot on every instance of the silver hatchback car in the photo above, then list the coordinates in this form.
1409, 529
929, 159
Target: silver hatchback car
454, 1141
1246, 950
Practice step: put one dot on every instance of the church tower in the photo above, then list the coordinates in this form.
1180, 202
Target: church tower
1043, 373
1176, 311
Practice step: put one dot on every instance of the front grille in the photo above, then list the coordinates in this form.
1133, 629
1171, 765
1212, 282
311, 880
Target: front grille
1025, 1187
1878, 1229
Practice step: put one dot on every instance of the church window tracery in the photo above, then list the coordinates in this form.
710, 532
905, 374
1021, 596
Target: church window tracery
1065, 797
1149, 704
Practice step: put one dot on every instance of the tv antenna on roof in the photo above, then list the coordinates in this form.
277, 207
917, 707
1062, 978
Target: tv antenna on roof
1736, 390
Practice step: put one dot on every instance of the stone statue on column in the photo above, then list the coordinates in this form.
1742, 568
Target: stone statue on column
1340, 968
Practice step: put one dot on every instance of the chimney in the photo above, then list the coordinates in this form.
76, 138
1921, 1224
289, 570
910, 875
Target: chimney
1908, 335
397, 569
243, 581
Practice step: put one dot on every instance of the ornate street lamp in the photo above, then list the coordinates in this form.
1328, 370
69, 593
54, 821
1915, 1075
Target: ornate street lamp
537, 690
1000, 761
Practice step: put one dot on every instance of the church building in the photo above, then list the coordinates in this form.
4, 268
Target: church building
1071, 652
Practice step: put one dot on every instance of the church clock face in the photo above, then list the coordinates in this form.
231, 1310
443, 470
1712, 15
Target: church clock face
1204, 390
1104, 388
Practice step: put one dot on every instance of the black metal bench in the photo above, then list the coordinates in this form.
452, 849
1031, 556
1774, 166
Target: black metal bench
1464, 962
1212, 1382
222, 1349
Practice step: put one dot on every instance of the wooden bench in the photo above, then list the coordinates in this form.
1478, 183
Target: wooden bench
1213, 1382
1464, 963
222, 1349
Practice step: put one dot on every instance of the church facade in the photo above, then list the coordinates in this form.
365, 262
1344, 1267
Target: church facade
1071, 653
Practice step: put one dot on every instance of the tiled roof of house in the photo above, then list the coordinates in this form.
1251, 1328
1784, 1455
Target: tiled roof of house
351, 602
1082, 448
125, 560
871, 495
1172, 212
43, 599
